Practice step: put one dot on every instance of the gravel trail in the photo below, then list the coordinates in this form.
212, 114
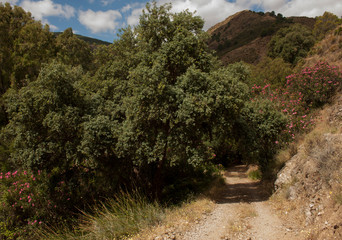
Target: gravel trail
242, 212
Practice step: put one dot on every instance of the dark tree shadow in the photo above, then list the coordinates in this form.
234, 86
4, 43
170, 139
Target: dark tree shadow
251, 191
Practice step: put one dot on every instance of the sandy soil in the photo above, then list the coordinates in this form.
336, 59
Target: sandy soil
242, 212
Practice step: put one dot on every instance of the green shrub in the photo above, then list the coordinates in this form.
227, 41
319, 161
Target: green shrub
325, 23
255, 175
25, 203
272, 71
261, 132
291, 44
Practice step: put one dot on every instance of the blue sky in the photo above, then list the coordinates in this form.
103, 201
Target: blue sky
102, 18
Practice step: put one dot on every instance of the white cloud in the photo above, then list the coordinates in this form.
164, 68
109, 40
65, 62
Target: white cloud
107, 2
270, 5
52, 27
100, 21
46, 8
126, 8
311, 8
214, 11
133, 19
132, 12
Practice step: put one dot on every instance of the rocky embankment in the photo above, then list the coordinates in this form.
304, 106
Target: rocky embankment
310, 185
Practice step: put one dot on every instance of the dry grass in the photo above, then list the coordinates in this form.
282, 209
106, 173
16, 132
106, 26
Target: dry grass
118, 218
178, 219
329, 49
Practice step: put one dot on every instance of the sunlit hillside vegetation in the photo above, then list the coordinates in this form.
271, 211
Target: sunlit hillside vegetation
118, 132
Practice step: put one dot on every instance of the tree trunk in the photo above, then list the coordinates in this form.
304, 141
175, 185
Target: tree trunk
158, 179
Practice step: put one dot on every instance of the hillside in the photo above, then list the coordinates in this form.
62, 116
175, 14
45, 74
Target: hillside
309, 187
91, 41
244, 36
329, 50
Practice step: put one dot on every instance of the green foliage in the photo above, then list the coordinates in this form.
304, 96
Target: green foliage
272, 71
25, 204
324, 24
155, 109
255, 175
73, 51
118, 218
33, 46
24, 45
291, 44
169, 98
240, 71
44, 118
91, 41
261, 129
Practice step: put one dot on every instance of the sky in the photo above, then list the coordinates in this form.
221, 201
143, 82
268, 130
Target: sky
102, 19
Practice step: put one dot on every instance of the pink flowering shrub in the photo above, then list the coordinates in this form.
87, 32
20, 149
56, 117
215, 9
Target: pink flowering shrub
316, 85
308, 89
25, 203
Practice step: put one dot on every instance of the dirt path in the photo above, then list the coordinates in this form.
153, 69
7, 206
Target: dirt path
242, 212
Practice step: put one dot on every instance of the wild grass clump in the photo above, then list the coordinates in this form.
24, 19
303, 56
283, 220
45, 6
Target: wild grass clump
118, 218
255, 175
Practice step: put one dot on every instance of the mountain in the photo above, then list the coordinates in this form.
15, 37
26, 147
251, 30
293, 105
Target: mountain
245, 35
91, 41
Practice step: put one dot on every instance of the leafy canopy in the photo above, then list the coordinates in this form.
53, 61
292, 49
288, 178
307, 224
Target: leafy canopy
291, 44
325, 23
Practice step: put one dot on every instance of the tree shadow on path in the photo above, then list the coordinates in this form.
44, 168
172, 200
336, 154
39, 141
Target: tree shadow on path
239, 188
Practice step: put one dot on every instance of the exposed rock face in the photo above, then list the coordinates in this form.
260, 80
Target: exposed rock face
312, 179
